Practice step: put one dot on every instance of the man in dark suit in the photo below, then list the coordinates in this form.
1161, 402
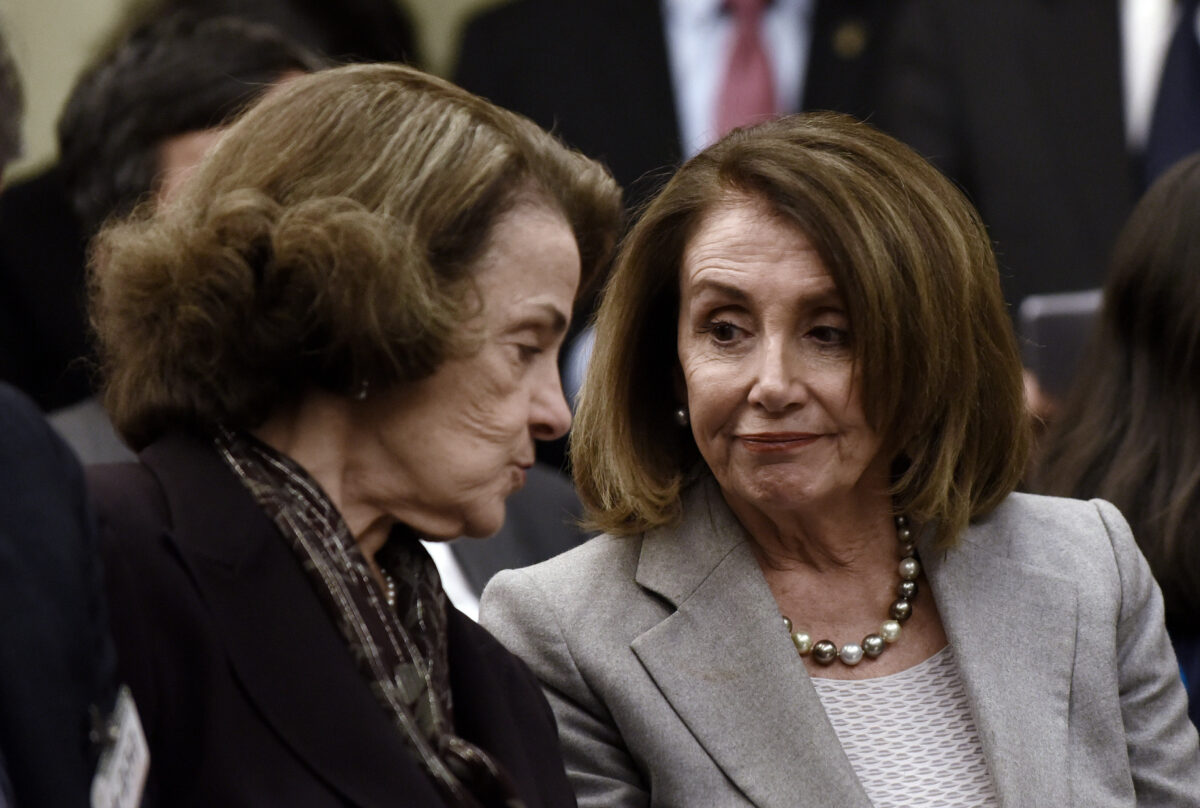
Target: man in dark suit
598, 73
1022, 103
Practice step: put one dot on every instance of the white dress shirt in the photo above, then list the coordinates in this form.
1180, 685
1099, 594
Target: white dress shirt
458, 590
699, 39
1146, 29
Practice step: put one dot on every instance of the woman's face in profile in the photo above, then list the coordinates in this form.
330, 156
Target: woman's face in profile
448, 450
765, 347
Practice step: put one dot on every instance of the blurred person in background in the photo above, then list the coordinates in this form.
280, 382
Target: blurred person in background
338, 338
57, 664
802, 433
1130, 430
1053, 117
43, 331
134, 126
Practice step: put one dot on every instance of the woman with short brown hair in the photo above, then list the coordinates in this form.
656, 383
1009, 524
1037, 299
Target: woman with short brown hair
801, 430
339, 337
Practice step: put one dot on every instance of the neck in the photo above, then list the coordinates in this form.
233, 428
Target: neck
853, 536
318, 435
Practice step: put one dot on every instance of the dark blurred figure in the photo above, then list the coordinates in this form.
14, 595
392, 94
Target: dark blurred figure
603, 72
1052, 116
133, 113
56, 659
135, 96
639, 84
160, 100
57, 665
1130, 430
341, 30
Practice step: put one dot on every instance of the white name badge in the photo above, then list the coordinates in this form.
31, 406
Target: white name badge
121, 773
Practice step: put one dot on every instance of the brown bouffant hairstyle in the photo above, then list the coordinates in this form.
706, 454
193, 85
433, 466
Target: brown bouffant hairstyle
1130, 429
933, 343
327, 242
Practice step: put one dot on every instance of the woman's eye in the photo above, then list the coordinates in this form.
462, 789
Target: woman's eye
722, 331
830, 335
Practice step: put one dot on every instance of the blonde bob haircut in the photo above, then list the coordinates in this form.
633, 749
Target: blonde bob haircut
934, 350
327, 242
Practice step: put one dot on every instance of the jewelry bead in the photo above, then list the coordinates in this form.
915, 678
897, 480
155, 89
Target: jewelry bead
910, 568
901, 610
851, 653
389, 589
803, 642
824, 652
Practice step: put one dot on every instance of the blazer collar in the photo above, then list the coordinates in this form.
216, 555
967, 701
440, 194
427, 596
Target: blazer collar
726, 666
283, 646
729, 670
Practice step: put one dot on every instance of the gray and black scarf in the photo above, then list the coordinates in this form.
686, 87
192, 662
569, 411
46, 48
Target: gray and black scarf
402, 653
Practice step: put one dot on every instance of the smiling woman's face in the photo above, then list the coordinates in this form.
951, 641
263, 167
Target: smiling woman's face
447, 451
765, 346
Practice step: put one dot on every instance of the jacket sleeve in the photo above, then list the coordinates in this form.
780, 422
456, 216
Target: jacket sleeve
1162, 743
602, 772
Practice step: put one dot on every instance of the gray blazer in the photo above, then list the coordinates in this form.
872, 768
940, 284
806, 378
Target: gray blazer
674, 684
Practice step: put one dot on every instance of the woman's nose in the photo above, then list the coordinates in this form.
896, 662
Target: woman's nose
550, 416
776, 384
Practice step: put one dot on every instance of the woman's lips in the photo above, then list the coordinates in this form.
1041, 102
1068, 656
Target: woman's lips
777, 441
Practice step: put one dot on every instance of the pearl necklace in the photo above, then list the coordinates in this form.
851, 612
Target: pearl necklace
389, 589
825, 652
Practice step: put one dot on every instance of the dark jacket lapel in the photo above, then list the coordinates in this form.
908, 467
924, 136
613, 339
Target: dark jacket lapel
283, 646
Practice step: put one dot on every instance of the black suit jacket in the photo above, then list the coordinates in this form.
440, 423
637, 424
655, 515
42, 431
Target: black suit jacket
597, 73
1020, 101
56, 658
248, 693
44, 348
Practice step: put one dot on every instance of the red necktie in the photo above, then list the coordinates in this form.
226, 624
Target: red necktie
748, 91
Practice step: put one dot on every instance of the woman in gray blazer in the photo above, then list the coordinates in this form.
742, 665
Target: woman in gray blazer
802, 431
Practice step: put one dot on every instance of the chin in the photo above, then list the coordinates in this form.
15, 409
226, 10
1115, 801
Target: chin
484, 525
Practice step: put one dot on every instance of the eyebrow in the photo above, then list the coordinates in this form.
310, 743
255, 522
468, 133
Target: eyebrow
719, 287
548, 319
826, 299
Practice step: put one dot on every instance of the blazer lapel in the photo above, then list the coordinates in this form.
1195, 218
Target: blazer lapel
1013, 632
283, 646
727, 668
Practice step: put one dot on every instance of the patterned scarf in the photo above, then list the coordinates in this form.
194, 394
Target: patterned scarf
402, 653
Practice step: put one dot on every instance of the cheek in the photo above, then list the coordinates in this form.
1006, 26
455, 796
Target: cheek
713, 388
492, 408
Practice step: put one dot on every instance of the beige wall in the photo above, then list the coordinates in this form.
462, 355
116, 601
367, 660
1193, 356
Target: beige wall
52, 40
